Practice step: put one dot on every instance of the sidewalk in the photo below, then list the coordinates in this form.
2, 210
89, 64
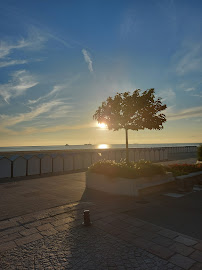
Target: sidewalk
55, 239
41, 219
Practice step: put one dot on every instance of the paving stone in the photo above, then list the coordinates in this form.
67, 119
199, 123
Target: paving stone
182, 249
196, 266
168, 233
61, 222
185, 241
142, 243
161, 240
151, 227
49, 232
197, 256
145, 234
62, 228
28, 231
28, 239
7, 246
136, 222
161, 251
11, 231
198, 246
182, 261
10, 237
7, 224
45, 227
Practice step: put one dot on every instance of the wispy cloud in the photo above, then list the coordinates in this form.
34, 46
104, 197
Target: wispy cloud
189, 89
12, 63
56, 89
186, 114
168, 95
20, 82
88, 59
197, 95
9, 120
189, 59
34, 41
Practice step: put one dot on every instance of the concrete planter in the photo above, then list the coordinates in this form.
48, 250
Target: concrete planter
186, 182
125, 186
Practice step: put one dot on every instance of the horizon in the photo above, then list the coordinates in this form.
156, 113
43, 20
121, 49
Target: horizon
60, 62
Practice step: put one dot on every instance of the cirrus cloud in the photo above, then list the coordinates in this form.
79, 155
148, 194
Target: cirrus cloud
88, 59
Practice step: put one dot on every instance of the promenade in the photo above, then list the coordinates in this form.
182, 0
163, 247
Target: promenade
41, 227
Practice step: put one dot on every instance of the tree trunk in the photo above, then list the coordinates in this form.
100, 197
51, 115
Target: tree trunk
127, 154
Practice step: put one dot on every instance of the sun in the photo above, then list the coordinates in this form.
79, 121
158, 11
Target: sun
102, 125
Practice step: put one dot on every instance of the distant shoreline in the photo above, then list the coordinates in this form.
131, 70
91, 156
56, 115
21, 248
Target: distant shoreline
88, 149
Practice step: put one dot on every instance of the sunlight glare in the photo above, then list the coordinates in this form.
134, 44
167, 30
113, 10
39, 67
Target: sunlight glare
102, 125
103, 146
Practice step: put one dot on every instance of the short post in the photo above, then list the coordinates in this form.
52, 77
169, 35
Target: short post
86, 218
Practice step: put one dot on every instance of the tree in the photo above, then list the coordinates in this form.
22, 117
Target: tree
132, 111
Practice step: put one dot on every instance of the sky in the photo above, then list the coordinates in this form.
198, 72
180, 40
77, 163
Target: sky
59, 60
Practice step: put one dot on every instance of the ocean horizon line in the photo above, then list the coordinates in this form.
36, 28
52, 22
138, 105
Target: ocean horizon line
90, 146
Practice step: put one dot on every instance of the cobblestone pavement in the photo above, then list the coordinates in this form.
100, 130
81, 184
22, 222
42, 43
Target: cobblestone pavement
55, 239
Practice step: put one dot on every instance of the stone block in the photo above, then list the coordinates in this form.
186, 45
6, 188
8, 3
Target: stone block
197, 256
161, 251
28, 239
185, 241
168, 233
196, 266
7, 246
198, 246
182, 261
182, 249
162, 240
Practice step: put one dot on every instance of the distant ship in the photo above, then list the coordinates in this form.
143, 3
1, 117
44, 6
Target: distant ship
87, 144
66, 144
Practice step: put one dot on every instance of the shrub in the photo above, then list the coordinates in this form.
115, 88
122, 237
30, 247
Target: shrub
199, 152
182, 169
126, 170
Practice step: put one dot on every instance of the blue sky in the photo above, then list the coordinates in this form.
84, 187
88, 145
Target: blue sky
60, 59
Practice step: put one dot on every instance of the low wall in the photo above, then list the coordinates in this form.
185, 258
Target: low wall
37, 164
125, 186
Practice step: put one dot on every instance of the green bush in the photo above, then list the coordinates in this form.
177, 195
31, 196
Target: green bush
126, 170
199, 153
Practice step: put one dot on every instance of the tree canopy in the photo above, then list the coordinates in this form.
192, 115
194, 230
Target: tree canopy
134, 111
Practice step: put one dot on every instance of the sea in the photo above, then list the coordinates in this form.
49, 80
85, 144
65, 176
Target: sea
90, 146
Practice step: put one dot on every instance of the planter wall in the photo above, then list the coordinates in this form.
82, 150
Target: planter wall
125, 186
185, 183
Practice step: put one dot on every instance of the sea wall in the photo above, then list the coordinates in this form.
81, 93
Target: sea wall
48, 163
